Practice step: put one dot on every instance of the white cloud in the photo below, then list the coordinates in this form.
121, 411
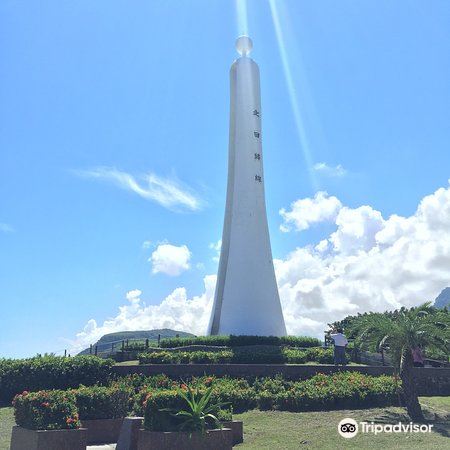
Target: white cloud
307, 211
367, 264
356, 229
216, 246
170, 259
146, 245
176, 311
329, 171
6, 228
168, 192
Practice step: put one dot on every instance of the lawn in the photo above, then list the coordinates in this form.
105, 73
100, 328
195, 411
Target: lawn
6, 423
318, 430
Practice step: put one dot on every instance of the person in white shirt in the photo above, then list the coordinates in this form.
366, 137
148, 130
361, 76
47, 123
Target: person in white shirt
340, 342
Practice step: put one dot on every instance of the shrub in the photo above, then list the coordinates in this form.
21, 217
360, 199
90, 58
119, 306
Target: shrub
270, 355
200, 357
46, 410
51, 372
323, 392
238, 355
101, 402
236, 392
340, 390
237, 341
158, 358
295, 356
157, 410
195, 357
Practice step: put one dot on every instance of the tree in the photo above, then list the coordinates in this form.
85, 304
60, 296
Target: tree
399, 332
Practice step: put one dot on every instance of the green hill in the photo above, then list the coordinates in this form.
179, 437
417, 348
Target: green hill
104, 344
443, 299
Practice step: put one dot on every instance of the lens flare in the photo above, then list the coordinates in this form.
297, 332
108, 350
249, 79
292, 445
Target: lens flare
299, 122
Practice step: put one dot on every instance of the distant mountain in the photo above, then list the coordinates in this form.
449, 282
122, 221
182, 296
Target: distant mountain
443, 299
104, 344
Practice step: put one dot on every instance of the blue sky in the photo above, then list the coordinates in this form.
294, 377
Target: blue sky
143, 88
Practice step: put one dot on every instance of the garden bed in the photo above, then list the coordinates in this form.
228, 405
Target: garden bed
220, 439
25, 439
257, 354
100, 431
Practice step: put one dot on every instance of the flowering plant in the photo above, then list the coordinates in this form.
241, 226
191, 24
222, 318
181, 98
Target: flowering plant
46, 410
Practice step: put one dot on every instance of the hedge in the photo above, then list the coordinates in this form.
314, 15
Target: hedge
237, 341
270, 355
102, 402
46, 410
237, 392
51, 372
159, 410
321, 392
62, 409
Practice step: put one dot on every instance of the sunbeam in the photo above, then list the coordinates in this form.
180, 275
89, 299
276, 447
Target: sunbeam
242, 18
299, 122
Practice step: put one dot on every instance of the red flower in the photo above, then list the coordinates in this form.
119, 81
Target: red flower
45, 404
184, 387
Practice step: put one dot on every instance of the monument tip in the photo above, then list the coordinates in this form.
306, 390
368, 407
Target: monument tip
244, 45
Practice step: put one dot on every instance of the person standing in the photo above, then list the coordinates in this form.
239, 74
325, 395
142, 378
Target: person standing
340, 342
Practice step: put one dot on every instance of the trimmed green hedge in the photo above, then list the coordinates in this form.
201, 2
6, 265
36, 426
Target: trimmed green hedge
46, 410
320, 392
61, 409
270, 355
51, 372
237, 341
102, 402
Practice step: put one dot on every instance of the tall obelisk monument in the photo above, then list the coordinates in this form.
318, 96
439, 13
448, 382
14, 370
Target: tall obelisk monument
246, 299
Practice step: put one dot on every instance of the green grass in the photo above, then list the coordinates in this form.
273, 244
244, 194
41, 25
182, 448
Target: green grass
6, 424
318, 430
134, 362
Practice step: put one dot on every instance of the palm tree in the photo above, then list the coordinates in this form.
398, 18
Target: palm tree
399, 332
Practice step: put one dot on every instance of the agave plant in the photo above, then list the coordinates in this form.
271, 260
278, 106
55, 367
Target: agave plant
200, 412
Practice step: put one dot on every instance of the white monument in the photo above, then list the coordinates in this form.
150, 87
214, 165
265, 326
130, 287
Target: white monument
246, 300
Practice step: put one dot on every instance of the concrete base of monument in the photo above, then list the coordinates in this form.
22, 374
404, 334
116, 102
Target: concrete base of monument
24, 439
100, 431
220, 439
237, 427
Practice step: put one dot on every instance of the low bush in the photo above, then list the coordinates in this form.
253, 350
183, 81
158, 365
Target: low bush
264, 355
157, 410
238, 341
338, 391
269, 355
101, 402
323, 392
51, 372
315, 354
158, 358
46, 410
196, 357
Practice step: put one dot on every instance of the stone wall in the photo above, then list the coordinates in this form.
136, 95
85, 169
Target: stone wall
432, 380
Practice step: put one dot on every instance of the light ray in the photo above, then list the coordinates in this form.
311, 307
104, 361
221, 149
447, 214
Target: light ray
299, 122
242, 17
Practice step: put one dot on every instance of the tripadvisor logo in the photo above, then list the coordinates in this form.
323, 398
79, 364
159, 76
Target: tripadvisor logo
348, 428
